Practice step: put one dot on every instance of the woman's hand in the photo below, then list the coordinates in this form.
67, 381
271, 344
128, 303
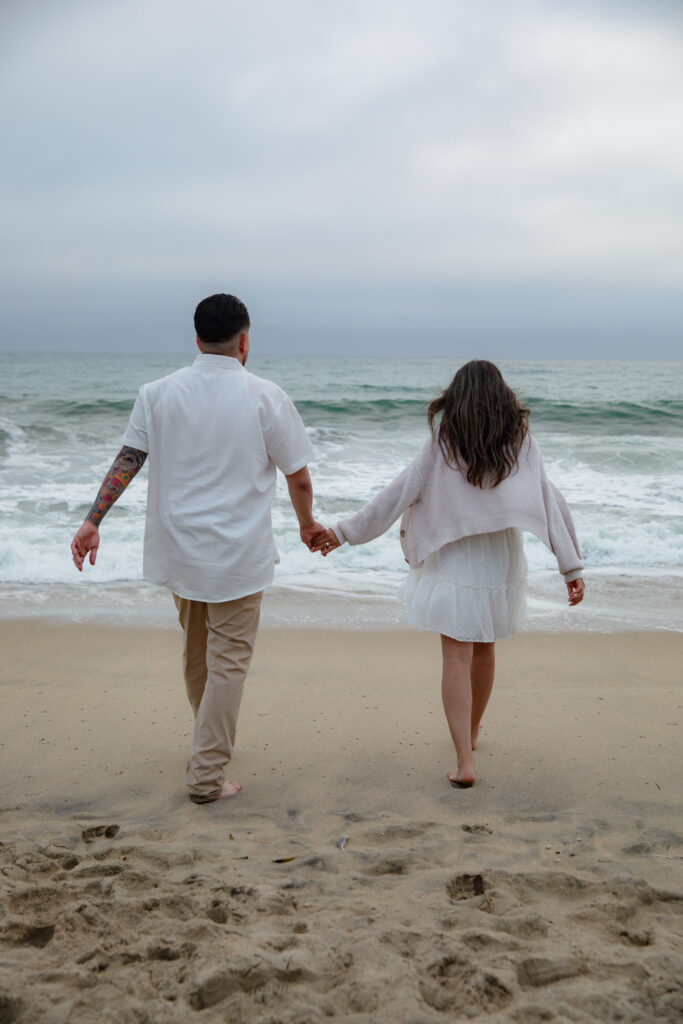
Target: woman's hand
326, 542
576, 590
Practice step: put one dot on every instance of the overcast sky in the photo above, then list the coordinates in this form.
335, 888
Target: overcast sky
442, 177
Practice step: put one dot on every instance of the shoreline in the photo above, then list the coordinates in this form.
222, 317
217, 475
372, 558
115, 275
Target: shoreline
553, 887
617, 602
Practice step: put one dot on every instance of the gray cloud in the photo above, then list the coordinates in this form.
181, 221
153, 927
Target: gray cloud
476, 157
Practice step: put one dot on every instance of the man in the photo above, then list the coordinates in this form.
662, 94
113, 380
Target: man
214, 434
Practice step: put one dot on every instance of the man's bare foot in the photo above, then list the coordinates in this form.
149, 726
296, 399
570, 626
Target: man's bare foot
462, 780
229, 789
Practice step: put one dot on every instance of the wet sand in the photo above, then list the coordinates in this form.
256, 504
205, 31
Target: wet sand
549, 891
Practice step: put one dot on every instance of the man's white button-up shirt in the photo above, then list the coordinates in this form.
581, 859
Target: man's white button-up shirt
215, 435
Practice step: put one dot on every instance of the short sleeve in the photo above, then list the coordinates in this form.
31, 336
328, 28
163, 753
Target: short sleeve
135, 434
284, 433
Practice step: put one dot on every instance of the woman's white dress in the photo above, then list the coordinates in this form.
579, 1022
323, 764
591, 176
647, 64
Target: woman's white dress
473, 589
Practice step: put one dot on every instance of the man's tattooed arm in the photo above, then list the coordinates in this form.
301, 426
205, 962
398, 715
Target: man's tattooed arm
125, 466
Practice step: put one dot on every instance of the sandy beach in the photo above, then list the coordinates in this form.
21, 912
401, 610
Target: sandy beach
551, 891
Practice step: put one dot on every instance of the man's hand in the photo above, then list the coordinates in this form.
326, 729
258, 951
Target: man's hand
310, 534
86, 539
576, 590
325, 542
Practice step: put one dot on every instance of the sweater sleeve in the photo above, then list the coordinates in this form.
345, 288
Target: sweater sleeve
563, 541
377, 516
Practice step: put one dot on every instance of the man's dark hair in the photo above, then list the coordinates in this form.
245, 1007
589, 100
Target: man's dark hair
220, 318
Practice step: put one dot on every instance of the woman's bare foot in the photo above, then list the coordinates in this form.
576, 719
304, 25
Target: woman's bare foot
475, 736
461, 779
229, 789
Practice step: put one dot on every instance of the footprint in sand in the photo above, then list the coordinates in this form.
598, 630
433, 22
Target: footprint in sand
464, 887
454, 984
89, 835
21, 934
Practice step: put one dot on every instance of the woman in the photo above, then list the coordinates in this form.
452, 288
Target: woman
475, 484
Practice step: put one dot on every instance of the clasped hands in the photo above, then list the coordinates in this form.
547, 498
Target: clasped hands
317, 537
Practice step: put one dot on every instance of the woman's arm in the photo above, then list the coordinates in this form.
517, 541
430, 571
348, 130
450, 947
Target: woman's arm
561, 532
377, 516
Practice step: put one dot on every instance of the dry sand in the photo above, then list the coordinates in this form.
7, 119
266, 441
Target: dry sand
548, 892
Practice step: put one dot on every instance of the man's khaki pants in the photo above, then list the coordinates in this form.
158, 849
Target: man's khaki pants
218, 645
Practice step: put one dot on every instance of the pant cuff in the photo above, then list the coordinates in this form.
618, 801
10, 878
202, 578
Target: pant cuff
200, 798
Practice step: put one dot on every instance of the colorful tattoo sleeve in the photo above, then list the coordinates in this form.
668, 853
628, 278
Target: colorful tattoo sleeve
125, 466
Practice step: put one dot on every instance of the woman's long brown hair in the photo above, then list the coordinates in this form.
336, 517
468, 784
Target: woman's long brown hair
483, 424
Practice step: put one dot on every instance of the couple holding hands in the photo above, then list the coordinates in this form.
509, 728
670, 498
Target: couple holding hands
215, 436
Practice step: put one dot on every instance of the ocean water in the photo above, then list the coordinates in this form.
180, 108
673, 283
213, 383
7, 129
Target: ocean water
611, 434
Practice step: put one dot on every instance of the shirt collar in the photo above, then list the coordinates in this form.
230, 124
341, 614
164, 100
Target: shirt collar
209, 362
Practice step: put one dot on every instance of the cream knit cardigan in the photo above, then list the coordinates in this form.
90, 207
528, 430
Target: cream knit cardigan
440, 506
